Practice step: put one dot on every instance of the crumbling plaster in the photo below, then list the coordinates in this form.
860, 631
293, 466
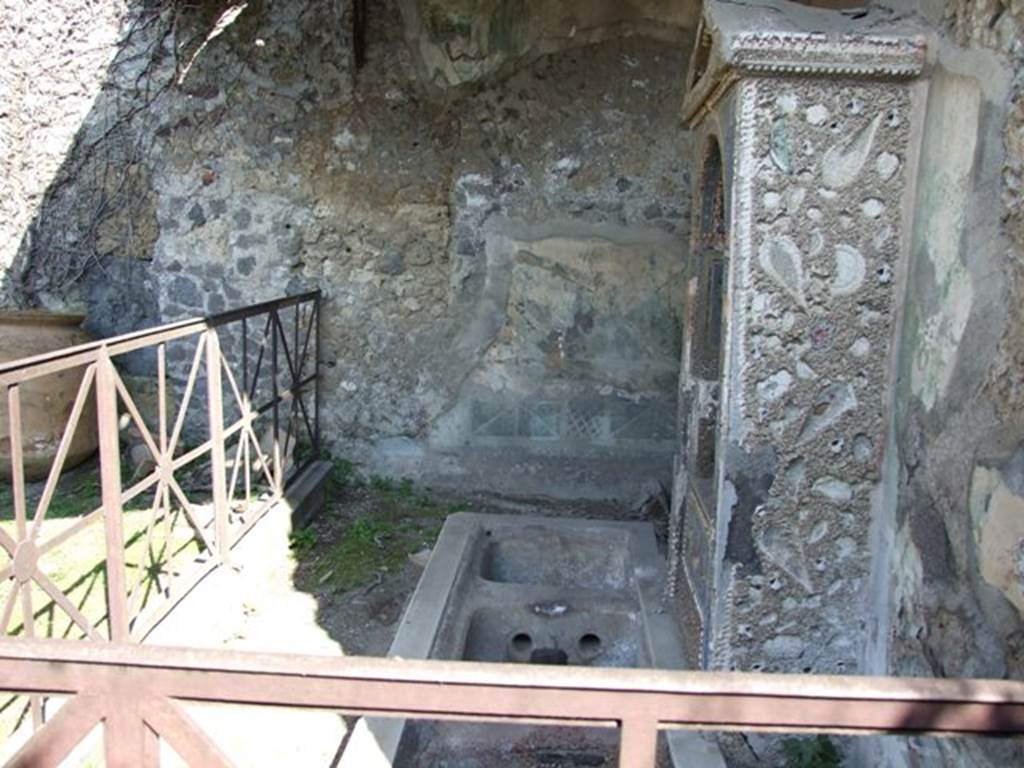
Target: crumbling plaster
274, 166
456, 42
270, 165
955, 580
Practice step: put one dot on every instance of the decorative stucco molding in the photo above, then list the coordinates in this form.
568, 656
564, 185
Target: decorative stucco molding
819, 134
788, 40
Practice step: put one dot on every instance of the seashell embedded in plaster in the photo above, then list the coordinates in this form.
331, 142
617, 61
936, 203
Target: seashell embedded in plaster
794, 199
886, 165
832, 403
872, 207
882, 236
787, 552
863, 448
796, 473
818, 533
781, 146
860, 347
804, 371
817, 114
843, 162
817, 242
783, 262
850, 271
775, 386
787, 103
833, 489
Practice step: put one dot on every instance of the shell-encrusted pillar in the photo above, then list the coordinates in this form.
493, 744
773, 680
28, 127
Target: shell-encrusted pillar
806, 125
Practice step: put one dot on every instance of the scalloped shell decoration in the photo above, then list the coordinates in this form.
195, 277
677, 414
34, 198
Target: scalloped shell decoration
782, 260
850, 271
843, 162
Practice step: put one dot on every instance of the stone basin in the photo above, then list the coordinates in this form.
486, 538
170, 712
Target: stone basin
540, 553
531, 590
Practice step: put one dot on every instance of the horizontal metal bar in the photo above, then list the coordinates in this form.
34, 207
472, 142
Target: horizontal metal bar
71, 357
258, 309
285, 394
511, 692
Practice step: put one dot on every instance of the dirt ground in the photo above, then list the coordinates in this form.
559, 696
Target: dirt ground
338, 586
363, 555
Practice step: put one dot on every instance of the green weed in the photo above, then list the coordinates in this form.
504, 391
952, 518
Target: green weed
83, 497
343, 474
368, 547
405, 488
817, 752
381, 483
303, 540
73, 498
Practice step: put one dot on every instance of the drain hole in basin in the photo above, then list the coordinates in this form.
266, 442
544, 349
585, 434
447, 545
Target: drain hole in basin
521, 642
590, 644
549, 656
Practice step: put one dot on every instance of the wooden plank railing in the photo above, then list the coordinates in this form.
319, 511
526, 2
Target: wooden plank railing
246, 394
137, 692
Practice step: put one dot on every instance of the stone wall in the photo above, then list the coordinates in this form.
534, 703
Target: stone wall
499, 262
462, 41
906, 560
56, 57
956, 575
497, 211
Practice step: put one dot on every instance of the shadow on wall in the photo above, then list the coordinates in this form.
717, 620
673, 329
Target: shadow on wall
94, 92
221, 155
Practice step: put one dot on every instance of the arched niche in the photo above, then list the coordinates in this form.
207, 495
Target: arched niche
701, 373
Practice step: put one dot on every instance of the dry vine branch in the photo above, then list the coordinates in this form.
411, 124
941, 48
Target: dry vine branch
97, 190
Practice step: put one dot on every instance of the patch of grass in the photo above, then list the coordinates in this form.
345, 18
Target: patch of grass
382, 483
354, 548
78, 568
343, 474
78, 493
302, 540
816, 752
365, 549
74, 497
81, 499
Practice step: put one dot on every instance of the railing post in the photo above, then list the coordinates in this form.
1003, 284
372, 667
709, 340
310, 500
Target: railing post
21, 529
275, 328
316, 370
218, 463
110, 493
638, 743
